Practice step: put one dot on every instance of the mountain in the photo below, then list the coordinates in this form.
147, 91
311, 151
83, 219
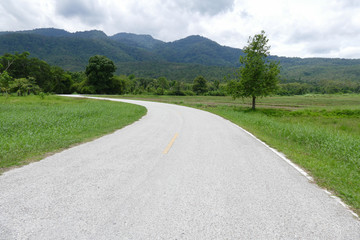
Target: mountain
141, 41
52, 32
71, 53
54, 44
200, 50
42, 31
145, 56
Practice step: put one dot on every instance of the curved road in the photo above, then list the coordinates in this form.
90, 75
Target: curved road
178, 173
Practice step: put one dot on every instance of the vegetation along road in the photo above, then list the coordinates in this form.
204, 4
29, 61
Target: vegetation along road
178, 173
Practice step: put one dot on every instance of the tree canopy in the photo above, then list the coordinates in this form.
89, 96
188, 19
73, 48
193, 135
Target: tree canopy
100, 72
200, 85
257, 76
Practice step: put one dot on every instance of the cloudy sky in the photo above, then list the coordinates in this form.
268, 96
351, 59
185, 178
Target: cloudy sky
306, 28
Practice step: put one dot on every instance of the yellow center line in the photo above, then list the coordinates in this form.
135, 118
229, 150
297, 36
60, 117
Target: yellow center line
170, 144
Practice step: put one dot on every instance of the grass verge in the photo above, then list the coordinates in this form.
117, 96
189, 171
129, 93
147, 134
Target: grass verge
321, 133
31, 127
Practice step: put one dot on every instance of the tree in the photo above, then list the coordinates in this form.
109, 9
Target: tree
61, 81
100, 72
41, 71
21, 66
24, 86
163, 83
257, 76
5, 81
118, 84
176, 89
216, 84
15, 64
200, 85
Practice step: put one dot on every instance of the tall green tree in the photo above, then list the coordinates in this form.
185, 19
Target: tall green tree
257, 76
100, 72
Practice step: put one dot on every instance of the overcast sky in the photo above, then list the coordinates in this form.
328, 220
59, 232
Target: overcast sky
304, 28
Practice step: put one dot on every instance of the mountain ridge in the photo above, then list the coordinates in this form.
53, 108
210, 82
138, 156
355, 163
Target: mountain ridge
148, 57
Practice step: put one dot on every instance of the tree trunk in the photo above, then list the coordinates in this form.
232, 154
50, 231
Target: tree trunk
253, 102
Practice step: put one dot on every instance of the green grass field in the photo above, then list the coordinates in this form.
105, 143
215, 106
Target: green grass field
321, 133
309, 101
31, 127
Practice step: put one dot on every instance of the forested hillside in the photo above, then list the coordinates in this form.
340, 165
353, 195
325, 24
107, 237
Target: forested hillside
182, 60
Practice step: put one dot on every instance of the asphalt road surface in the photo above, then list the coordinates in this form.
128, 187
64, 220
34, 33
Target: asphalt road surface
178, 173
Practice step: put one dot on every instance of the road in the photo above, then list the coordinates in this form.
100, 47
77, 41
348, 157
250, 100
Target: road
178, 173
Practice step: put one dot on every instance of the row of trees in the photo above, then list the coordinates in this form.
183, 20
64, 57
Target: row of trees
23, 75
153, 86
101, 79
319, 87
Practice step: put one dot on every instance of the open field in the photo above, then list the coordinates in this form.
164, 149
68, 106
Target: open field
309, 101
31, 127
321, 133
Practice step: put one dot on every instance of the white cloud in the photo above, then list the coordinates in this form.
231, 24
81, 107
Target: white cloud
90, 12
24, 14
307, 28
209, 7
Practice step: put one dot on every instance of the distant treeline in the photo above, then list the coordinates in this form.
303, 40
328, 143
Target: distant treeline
321, 87
23, 75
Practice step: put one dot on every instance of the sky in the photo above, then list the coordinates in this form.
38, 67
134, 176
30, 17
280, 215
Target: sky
306, 28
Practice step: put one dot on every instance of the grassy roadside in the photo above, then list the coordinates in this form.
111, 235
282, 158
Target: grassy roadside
321, 133
31, 127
